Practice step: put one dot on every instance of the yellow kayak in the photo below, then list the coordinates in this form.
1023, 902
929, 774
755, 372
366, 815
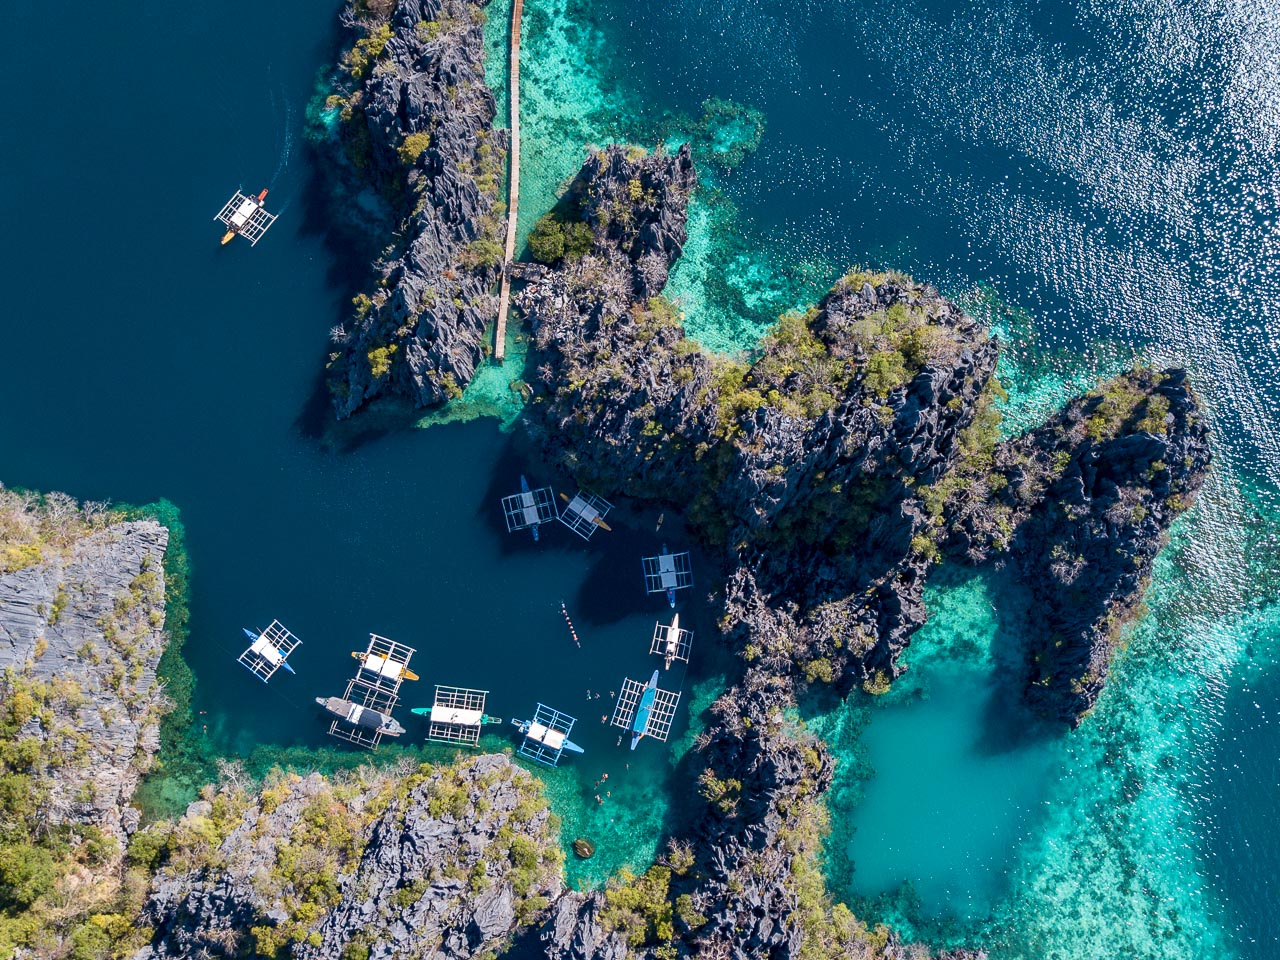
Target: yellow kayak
384, 667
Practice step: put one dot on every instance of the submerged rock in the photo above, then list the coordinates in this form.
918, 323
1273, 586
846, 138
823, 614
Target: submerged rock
414, 123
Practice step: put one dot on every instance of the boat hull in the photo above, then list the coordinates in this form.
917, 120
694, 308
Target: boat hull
359, 716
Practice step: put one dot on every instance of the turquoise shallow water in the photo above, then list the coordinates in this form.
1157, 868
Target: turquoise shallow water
1097, 182
1096, 178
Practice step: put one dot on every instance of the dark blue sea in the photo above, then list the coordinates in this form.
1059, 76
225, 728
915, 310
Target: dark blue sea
1098, 180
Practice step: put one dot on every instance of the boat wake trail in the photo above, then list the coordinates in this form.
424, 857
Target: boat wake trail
284, 138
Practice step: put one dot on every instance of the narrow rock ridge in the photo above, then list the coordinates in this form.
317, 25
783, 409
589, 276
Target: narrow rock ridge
412, 118
435, 861
81, 633
618, 390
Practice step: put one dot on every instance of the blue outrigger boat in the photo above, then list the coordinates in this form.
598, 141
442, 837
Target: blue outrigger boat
268, 650
540, 732
260, 644
642, 712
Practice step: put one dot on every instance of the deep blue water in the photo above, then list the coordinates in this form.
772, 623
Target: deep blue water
1097, 178
143, 360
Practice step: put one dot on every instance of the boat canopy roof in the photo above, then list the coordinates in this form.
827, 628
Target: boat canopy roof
266, 649
383, 666
456, 715
544, 734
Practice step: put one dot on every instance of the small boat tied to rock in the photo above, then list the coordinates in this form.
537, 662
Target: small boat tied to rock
245, 216
529, 509
645, 710
667, 573
546, 736
365, 718
268, 650
672, 642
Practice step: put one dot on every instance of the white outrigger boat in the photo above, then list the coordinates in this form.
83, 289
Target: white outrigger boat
358, 716
268, 650
671, 645
245, 216
546, 735
672, 642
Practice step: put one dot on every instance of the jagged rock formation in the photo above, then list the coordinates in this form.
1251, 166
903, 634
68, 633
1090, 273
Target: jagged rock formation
1083, 504
411, 117
84, 612
830, 469
607, 350
441, 862
808, 453
81, 632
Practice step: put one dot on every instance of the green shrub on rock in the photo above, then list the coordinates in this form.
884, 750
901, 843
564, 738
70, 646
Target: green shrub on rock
414, 146
553, 240
546, 241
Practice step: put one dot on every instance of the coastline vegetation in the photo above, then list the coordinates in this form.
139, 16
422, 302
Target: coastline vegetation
66, 887
305, 837
555, 239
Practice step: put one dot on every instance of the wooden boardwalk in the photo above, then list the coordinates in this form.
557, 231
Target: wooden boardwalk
513, 195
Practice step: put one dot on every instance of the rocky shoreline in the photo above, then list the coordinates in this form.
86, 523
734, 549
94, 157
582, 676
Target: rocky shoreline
407, 137
833, 470
827, 475
428, 861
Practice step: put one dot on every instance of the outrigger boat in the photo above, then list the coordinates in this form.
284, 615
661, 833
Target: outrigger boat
544, 734
667, 573
245, 216
268, 650
524, 488
672, 645
369, 719
585, 512
642, 712
263, 647
384, 666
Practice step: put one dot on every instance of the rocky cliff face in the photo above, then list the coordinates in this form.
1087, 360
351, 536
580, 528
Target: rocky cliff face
83, 616
621, 394
850, 408
81, 632
1083, 505
831, 470
411, 118
440, 862
804, 460
802, 466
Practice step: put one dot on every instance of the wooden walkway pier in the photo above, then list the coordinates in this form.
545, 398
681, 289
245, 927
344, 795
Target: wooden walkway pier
513, 194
